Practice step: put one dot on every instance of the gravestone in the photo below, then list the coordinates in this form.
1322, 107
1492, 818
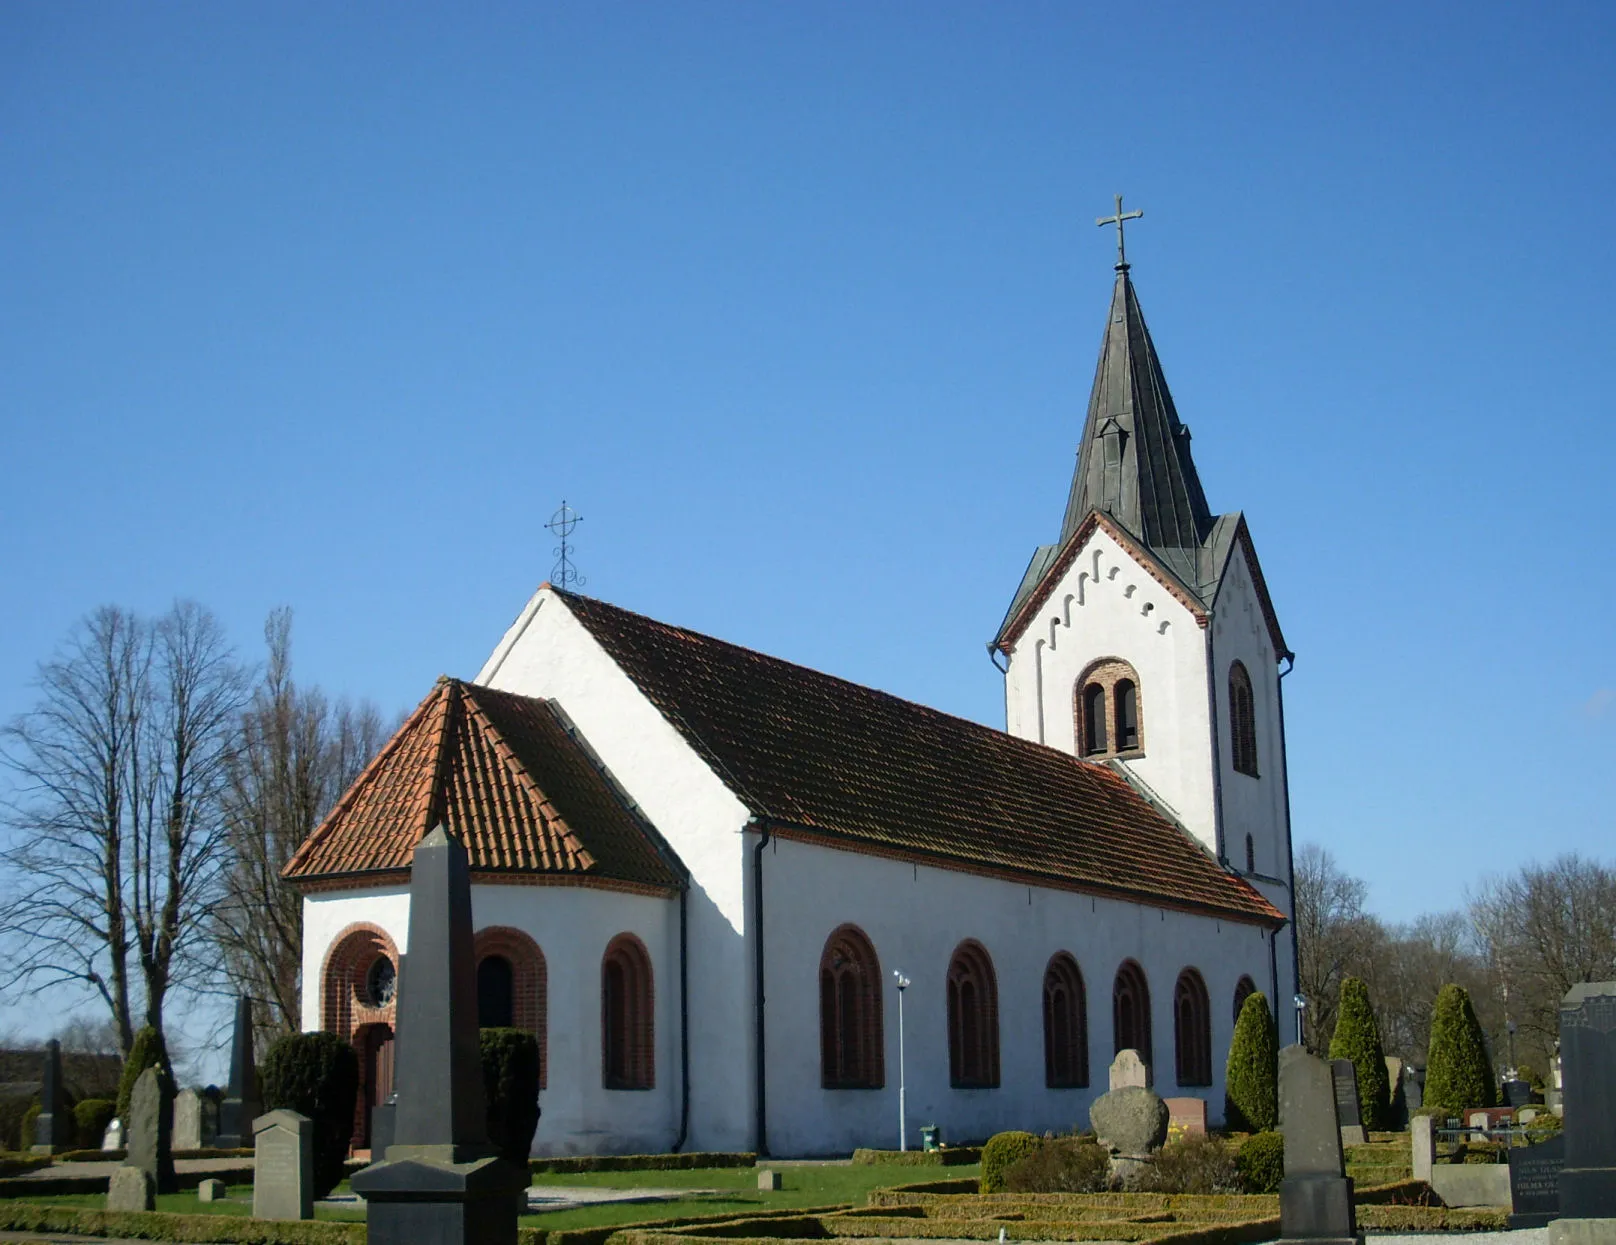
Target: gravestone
1517, 1094
1188, 1115
150, 1136
112, 1139
210, 1117
211, 1191
1588, 1082
769, 1181
1478, 1121
53, 1130
1422, 1143
1413, 1090
283, 1166
1344, 1077
188, 1120
441, 1180
1315, 1197
1534, 1182
1129, 1069
131, 1188
1398, 1116
242, 1101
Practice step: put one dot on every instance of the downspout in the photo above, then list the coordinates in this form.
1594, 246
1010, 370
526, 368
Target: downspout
1290, 855
684, 1017
1217, 759
1273, 973
760, 1088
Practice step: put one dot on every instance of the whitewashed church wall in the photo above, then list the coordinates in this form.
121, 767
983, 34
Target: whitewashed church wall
327, 914
1107, 605
548, 653
915, 916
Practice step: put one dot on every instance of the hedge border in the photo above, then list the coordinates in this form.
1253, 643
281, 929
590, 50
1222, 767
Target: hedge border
602, 1233
22, 1187
640, 1162
953, 1156
166, 1226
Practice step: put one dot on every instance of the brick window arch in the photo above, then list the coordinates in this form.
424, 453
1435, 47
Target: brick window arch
1192, 1029
973, 1018
1066, 1024
1243, 990
1108, 710
850, 1043
359, 1003
508, 958
1130, 1010
627, 1024
1242, 720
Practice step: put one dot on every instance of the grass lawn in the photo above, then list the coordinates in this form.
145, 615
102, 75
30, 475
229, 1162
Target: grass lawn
240, 1203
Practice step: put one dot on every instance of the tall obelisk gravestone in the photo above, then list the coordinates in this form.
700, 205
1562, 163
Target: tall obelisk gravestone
1588, 1069
53, 1130
241, 1105
1315, 1197
442, 1182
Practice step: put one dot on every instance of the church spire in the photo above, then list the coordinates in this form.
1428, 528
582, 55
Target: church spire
1134, 462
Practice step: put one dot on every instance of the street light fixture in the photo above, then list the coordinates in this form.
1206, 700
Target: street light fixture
1300, 1002
903, 1119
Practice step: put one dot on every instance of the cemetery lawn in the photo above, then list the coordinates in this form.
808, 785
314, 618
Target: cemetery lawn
814, 1184
186, 1203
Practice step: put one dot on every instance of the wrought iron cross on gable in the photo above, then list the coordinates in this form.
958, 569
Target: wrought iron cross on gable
1122, 255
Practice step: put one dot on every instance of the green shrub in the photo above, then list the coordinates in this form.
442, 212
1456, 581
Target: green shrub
1252, 1100
1357, 1037
1062, 1165
1194, 1164
146, 1050
1001, 1151
30, 1121
90, 1120
317, 1075
511, 1086
1260, 1162
1458, 1072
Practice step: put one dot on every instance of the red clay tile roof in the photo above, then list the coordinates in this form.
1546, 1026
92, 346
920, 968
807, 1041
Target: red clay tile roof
507, 778
868, 771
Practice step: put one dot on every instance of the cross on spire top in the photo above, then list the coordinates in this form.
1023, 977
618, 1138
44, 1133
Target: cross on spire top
1117, 219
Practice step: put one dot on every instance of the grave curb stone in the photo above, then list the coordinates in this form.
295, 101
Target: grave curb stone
131, 1188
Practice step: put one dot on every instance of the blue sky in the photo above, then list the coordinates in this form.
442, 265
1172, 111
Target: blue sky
330, 306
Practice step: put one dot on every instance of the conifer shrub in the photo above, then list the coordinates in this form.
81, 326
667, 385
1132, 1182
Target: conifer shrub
511, 1087
147, 1050
1251, 1102
1061, 1165
1001, 1151
1260, 1162
90, 1120
30, 1124
317, 1075
1458, 1071
1357, 1037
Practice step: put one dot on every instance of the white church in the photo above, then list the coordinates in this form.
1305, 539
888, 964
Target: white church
699, 871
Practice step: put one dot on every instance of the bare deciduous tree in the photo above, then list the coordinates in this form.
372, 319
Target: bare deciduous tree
116, 836
298, 754
1334, 937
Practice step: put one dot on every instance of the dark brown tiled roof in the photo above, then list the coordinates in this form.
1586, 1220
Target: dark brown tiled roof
507, 778
872, 772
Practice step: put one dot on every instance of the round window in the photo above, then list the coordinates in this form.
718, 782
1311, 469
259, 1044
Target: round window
381, 980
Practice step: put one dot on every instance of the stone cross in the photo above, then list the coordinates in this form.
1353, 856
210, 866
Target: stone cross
283, 1166
242, 1102
1315, 1197
1588, 1079
149, 1137
441, 1180
53, 1130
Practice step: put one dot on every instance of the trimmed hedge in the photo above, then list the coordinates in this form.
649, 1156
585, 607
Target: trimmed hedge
953, 1156
599, 1234
12, 1164
1251, 1104
1001, 1152
147, 1049
511, 1089
640, 1162
1260, 1162
1458, 1072
162, 1226
118, 1156
90, 1120
1357, 1037
317, 1075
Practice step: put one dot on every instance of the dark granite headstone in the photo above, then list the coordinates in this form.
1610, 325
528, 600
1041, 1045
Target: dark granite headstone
1348, 1109
53, 1130
441, 1181
1315, 1197
242, 1102
1588, 1077
1413, 1090
1534, 1182
1517, 1094
149, 1139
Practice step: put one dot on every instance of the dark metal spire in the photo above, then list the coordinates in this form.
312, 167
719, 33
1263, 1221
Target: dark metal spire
1134, 462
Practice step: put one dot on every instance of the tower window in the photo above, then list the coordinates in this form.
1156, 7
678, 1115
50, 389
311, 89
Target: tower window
1107, 710
1242, 721
1251, 855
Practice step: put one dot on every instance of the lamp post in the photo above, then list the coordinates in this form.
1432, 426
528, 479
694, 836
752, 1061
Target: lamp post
903, 1119
1300, 1002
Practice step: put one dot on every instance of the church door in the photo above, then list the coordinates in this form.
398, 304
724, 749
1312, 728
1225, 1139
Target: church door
375, 1044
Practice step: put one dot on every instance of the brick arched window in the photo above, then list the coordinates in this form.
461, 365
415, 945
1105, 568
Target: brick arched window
1192, 1029
973, 1018
1242, 720
1066, 1025
1243, 990
850, 1045
627, 1000
513, 986
1130, 1010
1108, 710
